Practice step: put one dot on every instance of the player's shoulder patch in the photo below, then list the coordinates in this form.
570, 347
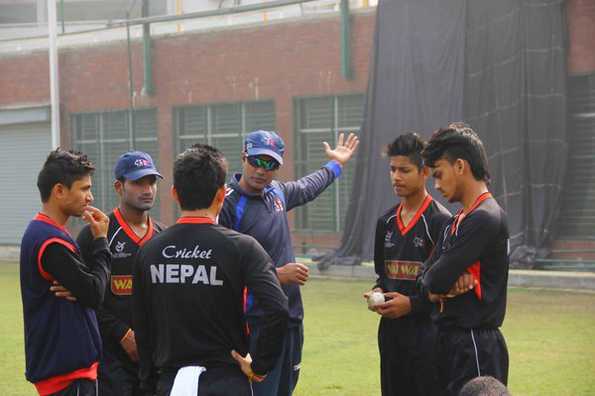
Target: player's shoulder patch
278, 191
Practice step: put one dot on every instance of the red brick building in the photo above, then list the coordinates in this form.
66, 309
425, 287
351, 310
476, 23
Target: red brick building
208, 86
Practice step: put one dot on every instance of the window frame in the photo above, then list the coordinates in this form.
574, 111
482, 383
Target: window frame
303, 223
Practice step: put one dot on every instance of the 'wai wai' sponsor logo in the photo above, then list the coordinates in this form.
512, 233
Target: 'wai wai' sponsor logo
121, 285
402, 270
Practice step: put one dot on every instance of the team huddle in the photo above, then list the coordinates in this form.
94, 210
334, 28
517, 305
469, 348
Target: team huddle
212, 306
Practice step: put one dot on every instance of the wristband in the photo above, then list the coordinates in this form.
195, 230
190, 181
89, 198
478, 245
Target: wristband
253, 377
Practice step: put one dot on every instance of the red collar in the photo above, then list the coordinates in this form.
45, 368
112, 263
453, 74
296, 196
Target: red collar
195, 220
404, 230
461, 214
47, 219
128, 230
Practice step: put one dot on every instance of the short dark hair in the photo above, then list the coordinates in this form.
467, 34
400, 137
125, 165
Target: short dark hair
408, 145
62, 167
484, 386
458, 140
198, 173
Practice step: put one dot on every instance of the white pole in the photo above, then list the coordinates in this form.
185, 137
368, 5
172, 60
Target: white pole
54, 83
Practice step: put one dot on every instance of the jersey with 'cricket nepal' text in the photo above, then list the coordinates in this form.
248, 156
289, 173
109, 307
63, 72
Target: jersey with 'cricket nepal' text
115, 314
188, 299
400, 251
476, 242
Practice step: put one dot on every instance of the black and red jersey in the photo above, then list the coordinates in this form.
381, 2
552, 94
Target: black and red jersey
115, 314
476, 242
188, 299
400, 251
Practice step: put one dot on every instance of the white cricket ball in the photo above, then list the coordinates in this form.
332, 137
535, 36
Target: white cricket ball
375, 298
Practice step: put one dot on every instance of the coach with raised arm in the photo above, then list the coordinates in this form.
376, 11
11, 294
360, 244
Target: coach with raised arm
257, 205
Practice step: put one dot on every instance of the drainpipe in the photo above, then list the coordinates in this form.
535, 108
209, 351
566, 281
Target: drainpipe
54, 75
345, 41
148, 87
131, 132
62, 15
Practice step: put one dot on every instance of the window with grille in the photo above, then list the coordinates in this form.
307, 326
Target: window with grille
223, 126
321, 119
104, 137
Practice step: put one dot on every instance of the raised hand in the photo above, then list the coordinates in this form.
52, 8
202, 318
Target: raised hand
344, 150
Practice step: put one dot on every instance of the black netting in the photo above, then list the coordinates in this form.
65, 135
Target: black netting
497, 65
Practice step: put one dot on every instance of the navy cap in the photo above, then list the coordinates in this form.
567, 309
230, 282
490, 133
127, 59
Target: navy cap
135, 164
265, 143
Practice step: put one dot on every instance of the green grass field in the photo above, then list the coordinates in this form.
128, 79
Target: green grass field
550, 336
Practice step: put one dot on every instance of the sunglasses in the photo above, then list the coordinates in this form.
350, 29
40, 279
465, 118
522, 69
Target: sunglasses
269, 165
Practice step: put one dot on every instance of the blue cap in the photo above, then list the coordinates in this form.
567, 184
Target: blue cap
265, 143
135, 164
